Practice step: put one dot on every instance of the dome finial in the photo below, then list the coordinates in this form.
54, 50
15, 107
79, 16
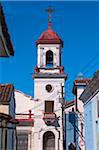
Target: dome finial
49, 10
80, 76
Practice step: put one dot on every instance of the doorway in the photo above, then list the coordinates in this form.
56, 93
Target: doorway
48, 141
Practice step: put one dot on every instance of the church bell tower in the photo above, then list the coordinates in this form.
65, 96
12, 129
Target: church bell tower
49, 81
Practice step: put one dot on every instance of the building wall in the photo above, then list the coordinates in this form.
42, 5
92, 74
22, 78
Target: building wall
80, 107
26, 130
40, 91
71, 133
7, 135
4, 109
8, 127
40, 127
80, 89
92, 140
23, 102
71, 127
11, 137
43, 48
12, 107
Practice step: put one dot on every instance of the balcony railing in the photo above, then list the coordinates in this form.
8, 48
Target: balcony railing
49, 117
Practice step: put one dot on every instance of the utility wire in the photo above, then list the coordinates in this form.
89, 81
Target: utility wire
86, 69
94, 65
83, 70
93, 58
32, 108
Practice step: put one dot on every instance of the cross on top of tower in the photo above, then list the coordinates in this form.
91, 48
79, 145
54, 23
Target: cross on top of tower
49, 10
49, 36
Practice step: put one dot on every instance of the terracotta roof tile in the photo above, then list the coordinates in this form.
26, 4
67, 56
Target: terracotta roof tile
86, 80
80, 82
49, 37
6, 92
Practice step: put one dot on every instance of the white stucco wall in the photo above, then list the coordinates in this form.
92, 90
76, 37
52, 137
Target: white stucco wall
40, 91
41, 94
80, 107
23, 102
80, 104
55, 48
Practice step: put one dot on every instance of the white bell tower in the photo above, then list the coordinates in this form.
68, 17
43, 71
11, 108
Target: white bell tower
49, 78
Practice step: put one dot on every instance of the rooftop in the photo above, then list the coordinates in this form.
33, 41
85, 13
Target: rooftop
91, 89
80, 82
6, 91
49, 37
5, 35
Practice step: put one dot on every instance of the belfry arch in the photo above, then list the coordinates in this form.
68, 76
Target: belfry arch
49, 57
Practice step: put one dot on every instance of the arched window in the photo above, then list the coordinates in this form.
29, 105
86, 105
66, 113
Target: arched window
49, 58
48, 141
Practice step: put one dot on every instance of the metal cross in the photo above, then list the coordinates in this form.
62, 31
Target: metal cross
49, 10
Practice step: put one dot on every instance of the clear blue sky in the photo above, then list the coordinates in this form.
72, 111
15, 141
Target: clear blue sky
77, 23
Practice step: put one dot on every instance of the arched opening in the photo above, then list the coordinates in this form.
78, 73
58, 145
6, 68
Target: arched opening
48, 141
49, 58
71, 146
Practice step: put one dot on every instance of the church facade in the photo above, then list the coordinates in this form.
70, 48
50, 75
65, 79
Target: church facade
43, 121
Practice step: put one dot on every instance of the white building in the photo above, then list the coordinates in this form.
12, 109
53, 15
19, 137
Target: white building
90, 98
75, 116
25, 117
47, 128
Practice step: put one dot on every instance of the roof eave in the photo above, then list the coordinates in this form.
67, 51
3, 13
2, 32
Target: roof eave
5, 33
49, 42
91, 89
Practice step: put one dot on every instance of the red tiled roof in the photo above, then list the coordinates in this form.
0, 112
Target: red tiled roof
6, 92
87, 80
79, 82
49, 37
5, 32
